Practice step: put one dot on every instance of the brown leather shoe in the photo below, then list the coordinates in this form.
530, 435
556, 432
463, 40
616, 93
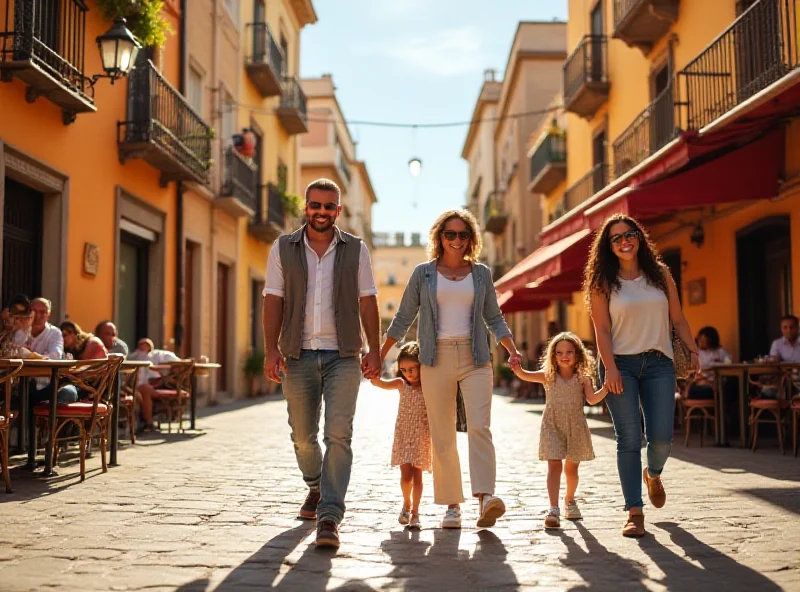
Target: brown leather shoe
634, 527
308, 511
327, 534
655, 489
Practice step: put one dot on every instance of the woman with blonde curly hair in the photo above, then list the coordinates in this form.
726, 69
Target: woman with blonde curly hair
634, 305
454, 296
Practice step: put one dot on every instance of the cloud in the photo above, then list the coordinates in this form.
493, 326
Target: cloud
447, 52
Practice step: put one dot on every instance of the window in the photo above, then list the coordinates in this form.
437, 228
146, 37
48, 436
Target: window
194, 91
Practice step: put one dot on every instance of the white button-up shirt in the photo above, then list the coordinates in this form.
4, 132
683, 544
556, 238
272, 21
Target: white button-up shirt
49, 343
319, 324
785, 351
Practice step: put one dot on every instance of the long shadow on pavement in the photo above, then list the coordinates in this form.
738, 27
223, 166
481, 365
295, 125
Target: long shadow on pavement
716, 571
788, 499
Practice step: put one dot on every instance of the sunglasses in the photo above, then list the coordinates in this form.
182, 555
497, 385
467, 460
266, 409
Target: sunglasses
628, 236
328, 207
452, 234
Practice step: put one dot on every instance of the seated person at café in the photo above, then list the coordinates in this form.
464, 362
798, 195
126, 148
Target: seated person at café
710, 352
150, 380
787, 349
106, 331
81, 345
47, 341
16, 326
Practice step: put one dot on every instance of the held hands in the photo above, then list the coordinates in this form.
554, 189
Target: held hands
613, 381
514, 360
273, 365
371, 365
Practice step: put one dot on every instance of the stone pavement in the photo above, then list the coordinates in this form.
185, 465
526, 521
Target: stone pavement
214, 510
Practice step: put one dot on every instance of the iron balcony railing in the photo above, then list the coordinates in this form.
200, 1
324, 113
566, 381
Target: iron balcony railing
264, 48
622, 8
587, 64
494, 213
241, 178
552, 150
160, 115
652, 129
587, 186
270, 206
293, 96
759, 48
52, 35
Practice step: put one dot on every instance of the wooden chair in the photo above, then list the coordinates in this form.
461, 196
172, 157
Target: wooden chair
704, 410
174, 392
775, 407
127, 401
8, 370
795, 407
92, 414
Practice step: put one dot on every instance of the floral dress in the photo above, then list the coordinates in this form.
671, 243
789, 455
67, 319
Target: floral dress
564, 433
412, 436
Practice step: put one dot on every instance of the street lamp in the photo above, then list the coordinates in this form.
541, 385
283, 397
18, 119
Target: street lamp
414, 167
118, 49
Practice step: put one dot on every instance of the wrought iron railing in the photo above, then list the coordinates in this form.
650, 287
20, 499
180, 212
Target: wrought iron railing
293, 96
264, 48
622, 8
587, 186
241, 178
51, 34
343, 166
552, 149
269, 209
159, 114
587, 64
759, 48
652, 129
495, 205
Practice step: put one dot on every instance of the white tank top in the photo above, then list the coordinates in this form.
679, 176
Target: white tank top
454, 300
639, 318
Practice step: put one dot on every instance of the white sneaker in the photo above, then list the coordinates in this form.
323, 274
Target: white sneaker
404, 517
452, 518
572, 511
552, 520
491, 508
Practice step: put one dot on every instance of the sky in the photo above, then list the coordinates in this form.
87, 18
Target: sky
415, 62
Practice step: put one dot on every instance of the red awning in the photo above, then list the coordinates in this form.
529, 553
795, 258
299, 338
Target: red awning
744, 173
538, 295
548, 261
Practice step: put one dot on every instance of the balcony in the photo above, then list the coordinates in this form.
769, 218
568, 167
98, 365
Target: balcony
548, 164
758, 49
43, 45
586, 76
269, 222
292, 109
266, 62
494, 213
162, 129
239, 185
652, 129
586, 186
640, 23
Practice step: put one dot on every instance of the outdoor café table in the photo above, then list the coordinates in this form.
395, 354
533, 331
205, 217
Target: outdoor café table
39, 369
742, 372
127, 367
200, 369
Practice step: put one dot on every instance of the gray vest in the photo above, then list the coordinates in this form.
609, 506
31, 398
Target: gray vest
345, 292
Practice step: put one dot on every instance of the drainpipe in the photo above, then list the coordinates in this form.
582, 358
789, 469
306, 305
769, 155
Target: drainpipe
180, 252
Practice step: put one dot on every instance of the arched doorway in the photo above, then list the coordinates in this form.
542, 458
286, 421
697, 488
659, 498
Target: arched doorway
764, 267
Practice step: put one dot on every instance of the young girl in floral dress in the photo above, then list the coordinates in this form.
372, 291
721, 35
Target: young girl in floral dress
411, 450
564, 439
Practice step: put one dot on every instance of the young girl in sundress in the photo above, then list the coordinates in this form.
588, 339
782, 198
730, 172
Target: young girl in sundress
411, 450
564, 439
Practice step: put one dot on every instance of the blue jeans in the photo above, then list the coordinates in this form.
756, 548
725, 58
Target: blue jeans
648, 379
307, 380
67, 393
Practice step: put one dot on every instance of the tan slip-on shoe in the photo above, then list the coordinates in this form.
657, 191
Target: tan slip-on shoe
655, 489
634, 526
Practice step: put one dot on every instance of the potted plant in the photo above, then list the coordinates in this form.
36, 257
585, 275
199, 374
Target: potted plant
253, 370
144, 19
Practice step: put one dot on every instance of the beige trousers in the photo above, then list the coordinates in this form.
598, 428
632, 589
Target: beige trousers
454, 365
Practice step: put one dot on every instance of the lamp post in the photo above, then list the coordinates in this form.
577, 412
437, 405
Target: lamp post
118, 50
415, 167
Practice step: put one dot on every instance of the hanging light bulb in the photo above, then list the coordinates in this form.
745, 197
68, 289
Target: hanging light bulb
415, 167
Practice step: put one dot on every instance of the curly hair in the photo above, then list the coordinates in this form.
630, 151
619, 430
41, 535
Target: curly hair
602, 268
81, 336
435, 248
584, 361
409, 352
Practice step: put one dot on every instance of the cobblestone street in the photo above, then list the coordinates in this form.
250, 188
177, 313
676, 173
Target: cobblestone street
215, 510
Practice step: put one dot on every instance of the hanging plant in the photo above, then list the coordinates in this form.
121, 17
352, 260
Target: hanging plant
292, 204
144, 19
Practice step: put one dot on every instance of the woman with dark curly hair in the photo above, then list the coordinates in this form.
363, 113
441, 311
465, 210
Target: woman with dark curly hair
634, 305
455, 298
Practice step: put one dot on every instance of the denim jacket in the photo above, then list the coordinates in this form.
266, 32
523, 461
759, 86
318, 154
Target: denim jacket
419, 297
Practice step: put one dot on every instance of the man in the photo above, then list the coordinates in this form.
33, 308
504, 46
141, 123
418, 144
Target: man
148, 381
319, 292
107, 332
787, 347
